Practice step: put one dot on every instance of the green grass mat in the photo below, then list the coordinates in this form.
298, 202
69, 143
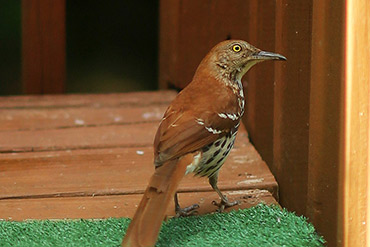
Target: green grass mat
258, 226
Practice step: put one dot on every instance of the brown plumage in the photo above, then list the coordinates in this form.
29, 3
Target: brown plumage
196, 134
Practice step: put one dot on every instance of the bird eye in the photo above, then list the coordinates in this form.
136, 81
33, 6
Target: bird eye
237, 48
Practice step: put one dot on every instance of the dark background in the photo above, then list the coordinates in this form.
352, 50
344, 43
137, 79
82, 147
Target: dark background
112, 46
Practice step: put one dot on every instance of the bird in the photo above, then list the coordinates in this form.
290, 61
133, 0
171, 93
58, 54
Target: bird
196, 135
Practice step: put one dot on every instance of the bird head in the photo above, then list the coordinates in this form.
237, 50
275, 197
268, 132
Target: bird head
233, 58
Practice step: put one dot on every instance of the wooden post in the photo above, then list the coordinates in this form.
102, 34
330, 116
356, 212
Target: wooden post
291, 105
168, 41
338, 174
43, 46
355, 144
326, 104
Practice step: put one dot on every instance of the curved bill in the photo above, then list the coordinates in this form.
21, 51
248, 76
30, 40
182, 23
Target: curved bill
265, 55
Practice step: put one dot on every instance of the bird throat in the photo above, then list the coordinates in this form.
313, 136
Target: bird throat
244, 69
236, 86
232, 79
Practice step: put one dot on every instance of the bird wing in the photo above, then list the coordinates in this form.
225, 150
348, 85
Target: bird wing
185, 131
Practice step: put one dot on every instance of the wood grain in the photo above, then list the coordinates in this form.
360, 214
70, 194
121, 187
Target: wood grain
43, 46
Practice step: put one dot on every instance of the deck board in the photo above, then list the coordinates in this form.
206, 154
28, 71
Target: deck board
44, 118
50, 166
114, 206
80, 100
83, 137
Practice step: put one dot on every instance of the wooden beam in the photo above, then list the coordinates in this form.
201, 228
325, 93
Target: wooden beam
43, 46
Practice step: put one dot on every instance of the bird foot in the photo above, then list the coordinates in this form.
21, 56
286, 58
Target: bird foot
224, 204
188, 211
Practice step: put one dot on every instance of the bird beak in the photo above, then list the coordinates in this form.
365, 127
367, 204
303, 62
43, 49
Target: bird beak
265, 55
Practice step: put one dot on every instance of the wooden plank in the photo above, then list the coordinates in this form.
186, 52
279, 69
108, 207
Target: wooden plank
291, 102
259, 81
326, 117
78, 138
355, 172
43, 46
113, 171
99, 207
83, 100
53, 118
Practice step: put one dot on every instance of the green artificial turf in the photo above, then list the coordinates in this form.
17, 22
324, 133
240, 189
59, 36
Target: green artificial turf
258, 226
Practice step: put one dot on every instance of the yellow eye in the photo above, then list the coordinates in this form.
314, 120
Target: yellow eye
237, 48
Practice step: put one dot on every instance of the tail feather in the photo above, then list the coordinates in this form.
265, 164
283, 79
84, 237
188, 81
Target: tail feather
144, 227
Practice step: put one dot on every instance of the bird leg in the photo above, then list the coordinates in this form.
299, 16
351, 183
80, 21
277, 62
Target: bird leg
225, 203
183, 212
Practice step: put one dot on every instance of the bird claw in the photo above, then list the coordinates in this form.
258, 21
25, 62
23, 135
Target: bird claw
224, 204
188, 211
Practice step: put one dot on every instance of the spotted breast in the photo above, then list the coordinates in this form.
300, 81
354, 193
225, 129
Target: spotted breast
215, 154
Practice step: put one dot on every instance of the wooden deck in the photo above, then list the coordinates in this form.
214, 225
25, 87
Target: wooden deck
90, 156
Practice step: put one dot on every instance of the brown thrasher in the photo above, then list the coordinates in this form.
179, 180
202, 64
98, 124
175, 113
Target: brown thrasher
196, 134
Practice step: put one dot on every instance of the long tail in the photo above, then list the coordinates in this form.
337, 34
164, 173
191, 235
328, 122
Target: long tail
144, 227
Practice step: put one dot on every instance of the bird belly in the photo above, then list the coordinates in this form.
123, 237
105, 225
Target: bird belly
214, 156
